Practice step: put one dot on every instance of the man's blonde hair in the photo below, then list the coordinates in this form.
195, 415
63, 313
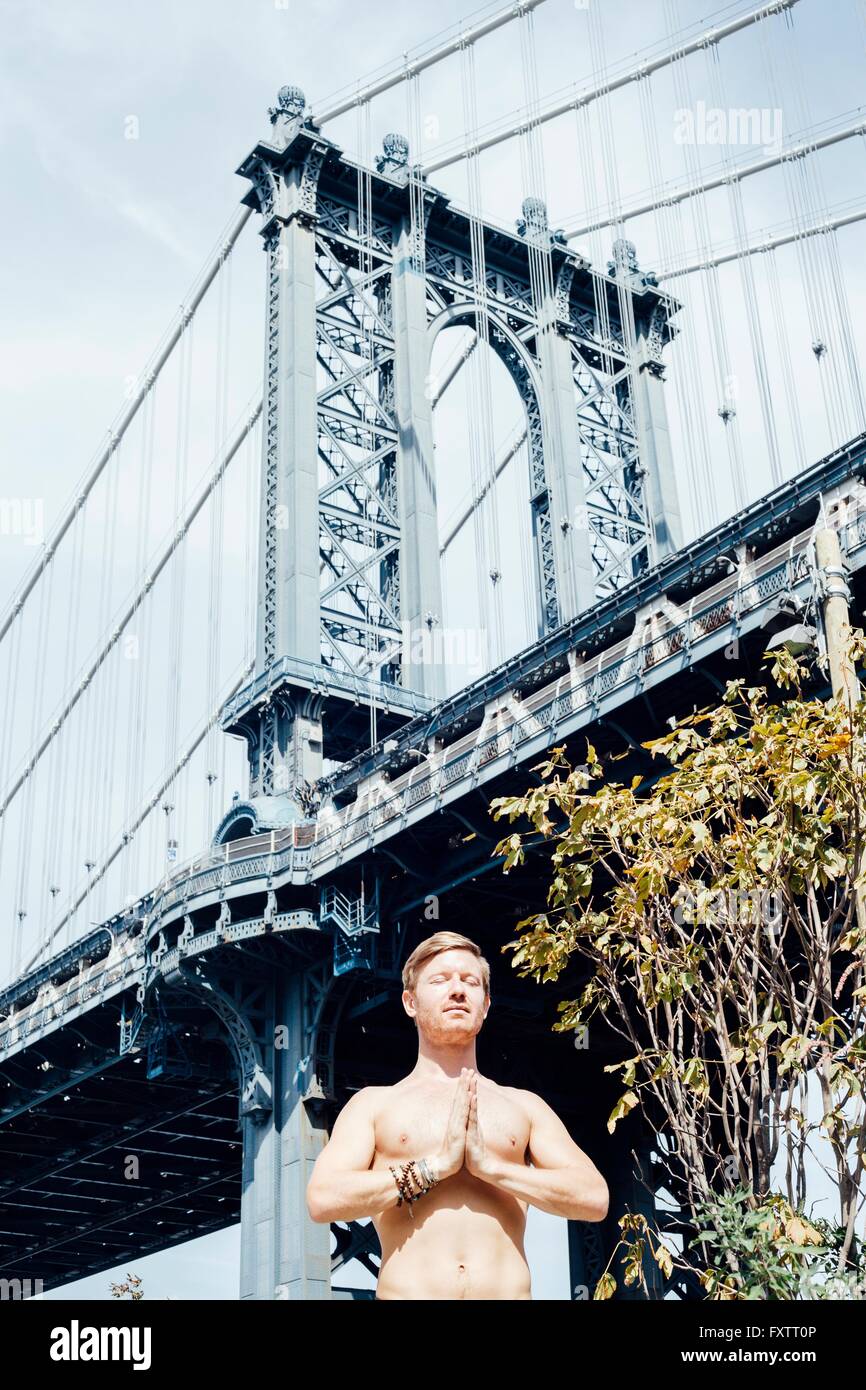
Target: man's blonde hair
442, 941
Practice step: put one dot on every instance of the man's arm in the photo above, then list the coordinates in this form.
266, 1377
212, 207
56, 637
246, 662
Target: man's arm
563, 1181
341, 1186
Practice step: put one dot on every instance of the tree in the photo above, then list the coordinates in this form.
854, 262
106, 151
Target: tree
715, 912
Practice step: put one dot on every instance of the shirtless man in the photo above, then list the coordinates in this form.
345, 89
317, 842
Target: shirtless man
464, 1237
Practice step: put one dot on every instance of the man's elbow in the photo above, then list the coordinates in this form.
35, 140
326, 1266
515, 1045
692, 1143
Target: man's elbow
596, 1203
602, 1200
317, 1204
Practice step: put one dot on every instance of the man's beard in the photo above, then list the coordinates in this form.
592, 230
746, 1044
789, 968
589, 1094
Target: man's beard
435, 1025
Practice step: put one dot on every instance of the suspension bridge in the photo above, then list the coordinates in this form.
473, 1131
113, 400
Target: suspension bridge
497, 486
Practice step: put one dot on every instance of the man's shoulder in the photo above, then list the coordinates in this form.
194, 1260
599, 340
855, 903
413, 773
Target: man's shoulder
528, 1100
366, 1095
369, 1098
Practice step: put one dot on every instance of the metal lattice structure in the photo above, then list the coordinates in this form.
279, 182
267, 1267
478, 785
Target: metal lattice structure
364, 270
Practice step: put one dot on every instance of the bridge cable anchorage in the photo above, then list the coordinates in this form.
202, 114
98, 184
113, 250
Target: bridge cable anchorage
125, 418
642, 68
409, 68
155, 568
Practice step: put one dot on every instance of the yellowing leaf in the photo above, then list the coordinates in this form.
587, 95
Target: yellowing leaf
836, 743
626, 1102
801, 1233
606, 1287
664, 1260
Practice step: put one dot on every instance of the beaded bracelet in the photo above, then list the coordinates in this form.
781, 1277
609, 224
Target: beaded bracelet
408, 1176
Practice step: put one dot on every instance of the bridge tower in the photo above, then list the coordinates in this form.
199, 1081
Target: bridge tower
363, 269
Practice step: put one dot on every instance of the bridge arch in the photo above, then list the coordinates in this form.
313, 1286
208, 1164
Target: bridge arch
254, 816
522, 370
504, 341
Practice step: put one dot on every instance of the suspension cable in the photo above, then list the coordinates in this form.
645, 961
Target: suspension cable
129, 610
359, 95
132, 826
121, 424
579, 97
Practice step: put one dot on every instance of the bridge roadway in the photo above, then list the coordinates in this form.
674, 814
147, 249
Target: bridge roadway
667, 622
97, 1063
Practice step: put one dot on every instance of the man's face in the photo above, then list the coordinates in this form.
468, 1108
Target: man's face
450, 1002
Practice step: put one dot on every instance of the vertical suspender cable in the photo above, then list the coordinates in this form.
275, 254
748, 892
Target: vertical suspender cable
699, 477
838, 310
59, 819
23, 894
747, 280
13, 684
215, 541
177, 593
139, 674
625, 302
713, 311
783, 346
488, 571
540, 263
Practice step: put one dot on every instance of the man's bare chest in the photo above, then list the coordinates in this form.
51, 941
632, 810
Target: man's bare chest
413, 1123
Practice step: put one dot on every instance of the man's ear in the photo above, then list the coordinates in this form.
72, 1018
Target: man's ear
408, 999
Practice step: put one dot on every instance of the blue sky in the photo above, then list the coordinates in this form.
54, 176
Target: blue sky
106, 232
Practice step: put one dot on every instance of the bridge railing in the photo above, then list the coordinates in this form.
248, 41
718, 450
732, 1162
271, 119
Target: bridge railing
90, 983
304, 847
287, 849
584, 687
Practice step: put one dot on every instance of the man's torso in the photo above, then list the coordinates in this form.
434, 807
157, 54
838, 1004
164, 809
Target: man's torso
466, 1238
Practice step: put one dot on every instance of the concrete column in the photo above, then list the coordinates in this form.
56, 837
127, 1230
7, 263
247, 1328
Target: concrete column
284, 1254
420, 575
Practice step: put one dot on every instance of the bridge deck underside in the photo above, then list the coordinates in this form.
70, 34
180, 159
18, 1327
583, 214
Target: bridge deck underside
102, 1162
